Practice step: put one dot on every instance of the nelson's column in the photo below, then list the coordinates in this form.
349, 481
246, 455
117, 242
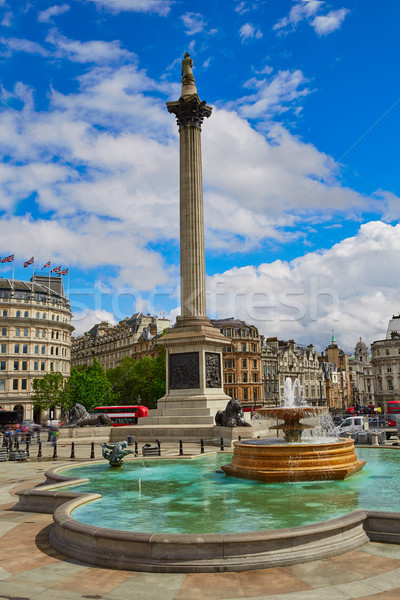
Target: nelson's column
194, 347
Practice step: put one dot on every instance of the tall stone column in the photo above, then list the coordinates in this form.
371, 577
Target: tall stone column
194, 347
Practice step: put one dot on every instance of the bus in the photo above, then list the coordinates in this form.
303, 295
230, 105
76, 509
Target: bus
393, 408
123, 415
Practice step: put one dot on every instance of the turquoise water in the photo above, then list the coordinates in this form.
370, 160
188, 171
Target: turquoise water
188, 496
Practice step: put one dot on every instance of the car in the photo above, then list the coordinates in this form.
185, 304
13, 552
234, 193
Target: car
377, 422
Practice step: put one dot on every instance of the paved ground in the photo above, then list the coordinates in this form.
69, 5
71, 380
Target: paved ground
31, 570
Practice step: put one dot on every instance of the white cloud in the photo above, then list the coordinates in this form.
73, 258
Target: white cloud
162, 7
306, 10
99, 52
351, 288
53, 11
7, 19
193, 22
84, 320
21, 45
272, 95
325, 24
248, 31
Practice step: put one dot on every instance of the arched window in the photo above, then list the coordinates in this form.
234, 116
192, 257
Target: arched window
4, 331
26, 314
18, 313
25, 332
43, 333
38, 315
5, 313
43, 315
17, 332
52, 317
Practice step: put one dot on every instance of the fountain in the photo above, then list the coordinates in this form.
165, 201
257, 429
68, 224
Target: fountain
293, 458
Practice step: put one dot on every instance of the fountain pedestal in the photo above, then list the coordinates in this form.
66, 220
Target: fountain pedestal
292, 459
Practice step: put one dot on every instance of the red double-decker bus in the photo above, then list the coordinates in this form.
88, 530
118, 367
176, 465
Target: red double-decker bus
123, 415
393, 408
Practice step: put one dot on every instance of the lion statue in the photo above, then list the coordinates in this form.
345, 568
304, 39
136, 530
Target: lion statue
78, 416
232, 416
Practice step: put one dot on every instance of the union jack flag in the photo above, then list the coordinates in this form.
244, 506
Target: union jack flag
56, 270
29, 262
46, 265
8, 258
64, 272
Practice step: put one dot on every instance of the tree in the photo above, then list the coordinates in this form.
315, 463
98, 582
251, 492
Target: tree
89, 386
49, 392
133, 379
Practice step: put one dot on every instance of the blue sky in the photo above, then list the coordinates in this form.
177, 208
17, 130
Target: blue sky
301, 187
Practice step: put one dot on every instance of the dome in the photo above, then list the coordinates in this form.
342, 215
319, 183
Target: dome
361, 346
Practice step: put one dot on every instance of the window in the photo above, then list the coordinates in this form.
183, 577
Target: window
52, 317
58, 317
229, 348
244, 363
2, 385
25, 332
245, 394
56, 335
51, 366
43, 315
56, 366
389, 368
56, 351
387, 352
17, 332
15, 384
38, 315
228, 333
4, 331
18, 313
36, 366
244, 377
16, 365
36, 349
43, 349
42, 365
26, 315
25, 349
43, 333
3, 348
24, 365
255, 377
254, 364
36, 332
2, 365
243, 347
52, 350
23, 384
231, 378
390, 385
5, 313
52, 334
16, 348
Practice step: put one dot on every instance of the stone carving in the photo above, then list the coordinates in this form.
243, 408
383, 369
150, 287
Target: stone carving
213, 370
232, 416
78, 416
190, 112
115, 452
187, 73
184, 371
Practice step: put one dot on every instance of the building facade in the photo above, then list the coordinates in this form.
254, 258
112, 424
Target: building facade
361, 376
385, 361
282, 359
340, 392
111, 343
241, 360
35, 338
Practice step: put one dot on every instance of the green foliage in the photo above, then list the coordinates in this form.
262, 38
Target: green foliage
49, 391
139, 381
89, 386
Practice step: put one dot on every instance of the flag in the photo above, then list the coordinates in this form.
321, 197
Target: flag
8, 258
46, 265
56, 270
64, 272
29, 262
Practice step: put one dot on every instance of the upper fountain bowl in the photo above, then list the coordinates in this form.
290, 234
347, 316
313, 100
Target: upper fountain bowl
292, 413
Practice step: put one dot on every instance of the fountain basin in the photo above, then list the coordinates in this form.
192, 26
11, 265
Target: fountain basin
262, 460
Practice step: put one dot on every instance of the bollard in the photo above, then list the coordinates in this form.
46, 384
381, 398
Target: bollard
136, 449
55, 451
16, 445
39, 454
180, 448
92, 451
27, 448
222, 444
239, 438
49, 436
201, 446
159, 447
72, 450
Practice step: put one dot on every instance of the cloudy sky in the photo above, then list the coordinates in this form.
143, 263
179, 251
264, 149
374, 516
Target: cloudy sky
300, 159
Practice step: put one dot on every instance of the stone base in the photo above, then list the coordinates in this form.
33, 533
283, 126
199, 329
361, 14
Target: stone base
211, 434
76, 433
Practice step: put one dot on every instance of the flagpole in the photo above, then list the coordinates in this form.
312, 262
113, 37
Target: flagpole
12, 284
49, 282
68, 284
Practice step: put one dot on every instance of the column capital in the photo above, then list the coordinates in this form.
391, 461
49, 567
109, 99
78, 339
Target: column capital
189, 110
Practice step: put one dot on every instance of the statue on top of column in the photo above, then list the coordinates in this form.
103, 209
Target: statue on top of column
187, 73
